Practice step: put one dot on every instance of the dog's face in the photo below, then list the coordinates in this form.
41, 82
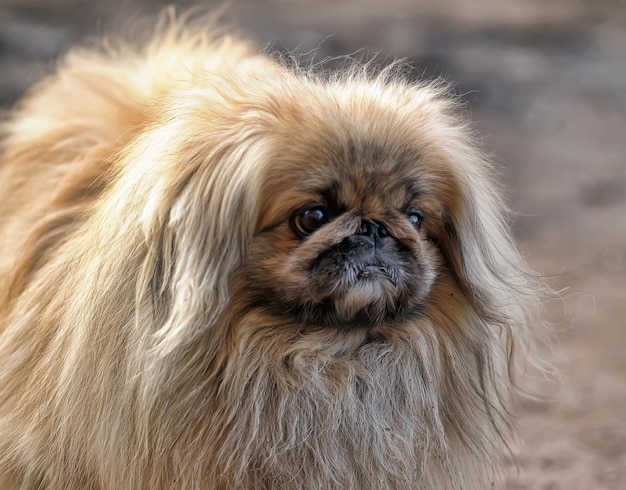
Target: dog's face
350, 221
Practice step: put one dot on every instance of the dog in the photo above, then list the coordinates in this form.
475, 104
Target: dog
218, 270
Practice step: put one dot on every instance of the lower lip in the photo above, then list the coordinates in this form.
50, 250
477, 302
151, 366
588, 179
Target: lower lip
370, 271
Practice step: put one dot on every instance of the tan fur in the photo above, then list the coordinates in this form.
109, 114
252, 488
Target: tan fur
141, 190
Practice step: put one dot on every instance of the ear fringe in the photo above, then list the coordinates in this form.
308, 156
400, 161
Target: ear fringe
200, 251
498, 279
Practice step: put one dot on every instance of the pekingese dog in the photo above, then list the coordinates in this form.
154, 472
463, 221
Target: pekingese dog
221, 271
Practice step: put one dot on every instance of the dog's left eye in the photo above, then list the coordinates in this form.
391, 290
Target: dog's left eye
310, 219
416, 216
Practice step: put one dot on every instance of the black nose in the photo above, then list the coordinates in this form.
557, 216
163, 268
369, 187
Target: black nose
373, 229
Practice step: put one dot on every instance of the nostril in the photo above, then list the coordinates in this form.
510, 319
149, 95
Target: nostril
382, 231
366, 228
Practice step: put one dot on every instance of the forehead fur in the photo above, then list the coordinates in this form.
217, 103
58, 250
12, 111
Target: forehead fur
343, 143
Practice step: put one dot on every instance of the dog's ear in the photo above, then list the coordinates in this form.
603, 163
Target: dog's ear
474, 235
478, 246
199, 178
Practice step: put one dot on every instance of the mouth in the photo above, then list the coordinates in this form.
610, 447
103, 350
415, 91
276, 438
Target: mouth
364, 295
376, 272
359, 293
357, 287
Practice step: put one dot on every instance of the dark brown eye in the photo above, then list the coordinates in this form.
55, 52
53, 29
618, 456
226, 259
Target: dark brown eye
415, 217
310, 219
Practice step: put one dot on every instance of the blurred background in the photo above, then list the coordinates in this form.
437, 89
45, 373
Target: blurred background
545, 82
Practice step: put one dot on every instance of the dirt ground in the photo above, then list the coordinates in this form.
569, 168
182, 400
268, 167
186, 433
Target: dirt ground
546, 85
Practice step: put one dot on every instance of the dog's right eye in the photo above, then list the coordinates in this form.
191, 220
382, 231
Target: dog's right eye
310, 219
416, 216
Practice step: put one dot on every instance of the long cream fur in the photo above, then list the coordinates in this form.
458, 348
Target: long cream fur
132, 182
